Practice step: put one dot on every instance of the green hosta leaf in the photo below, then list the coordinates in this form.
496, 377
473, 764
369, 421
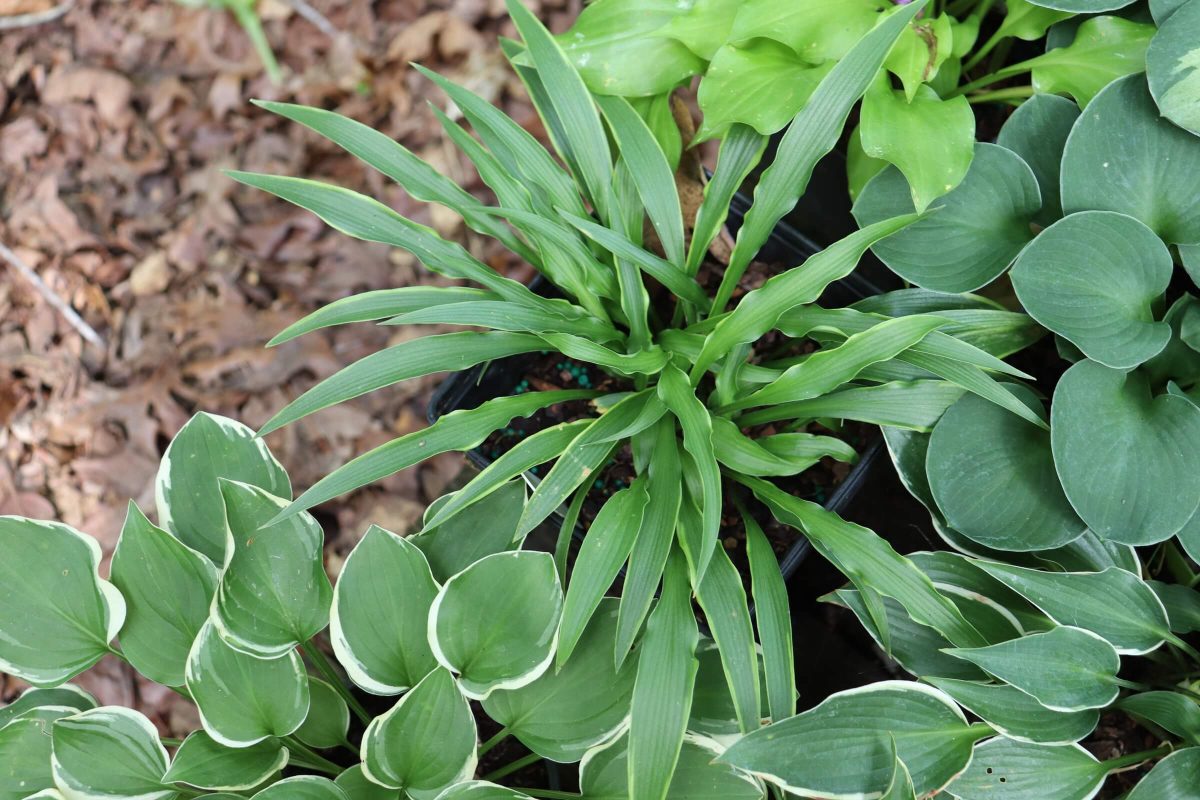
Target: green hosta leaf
1017, 715
713, 713
920, 52
916, 405
495, 623
814, 30
152, 568
1173, 68
481, 529
481, 790
243, 699
1122, 156
740, 150
992, 475
930, 140
58, 615
1104, 49
379, 304
1170, 711
980, 228
207, 764
1037, 132
778, 454
604, 774
1135, 484
357, 786
328, 719
25, 748
274, 593
847, 745
900, 787
188, 496
302, 787
564, 712
426, 741
109, 752
1094, 278
723, 600
1004, 769
1024, 20
704, 25
773, 619
1181, 602
1179, 361
1176, 777
1090, 553
380, 614
66, 696
1064, 669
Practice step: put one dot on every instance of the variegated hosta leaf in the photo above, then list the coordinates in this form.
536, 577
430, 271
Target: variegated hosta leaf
1004, 769
302, 787
205, 763
1173, 67
328, 719
244, 699
604, 773
480, 790
25, 749
378, 623
109, 752
357, 786
1016, 714
274, 593
495, 624
487, 526
58, 615
68, 695
426, 741
188, 496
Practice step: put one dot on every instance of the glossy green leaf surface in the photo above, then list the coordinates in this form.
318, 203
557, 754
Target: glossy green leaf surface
357, 786
487, 526
481, 790
1018, 715
66, 696
109, 752
758, 82
814, 30
302, 787
1173, 67
204, 763
1170, 711
1004, 769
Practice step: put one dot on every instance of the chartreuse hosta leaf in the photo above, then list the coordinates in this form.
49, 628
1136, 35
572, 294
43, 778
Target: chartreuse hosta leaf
302, 787
1170, 711
1016, 714
1037, 132
495, 624
244, 699
1005, 769
328, 719
1104, 49
1093, 278
1177, 776
485, 527
1122, 156
358, 786
186, 491
152, 568
1136, 483
844, 746
66, 696
426, 741
109, 752
1173, 67
204, 763
1064, 669
59, 616
563, 713
25, 749
604, 774
379, 617
980, 227
992, 475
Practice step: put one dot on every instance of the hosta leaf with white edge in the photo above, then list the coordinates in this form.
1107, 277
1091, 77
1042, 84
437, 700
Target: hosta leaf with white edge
1016, 714
274, 593
380, 614
900, 787
25, 747
1138, 483
302, 787
1005, 769
109, 752
328, 719
604, 774
1037, 132
59, 616
1170, 711
1064, 669
564, 712
153, 569
495, 624
204, 763
980, 227
1173, 67
844, 748
481, 790
712, 713
426, 741
186, 491
243, 699
1176, 777
357, 786
68, 695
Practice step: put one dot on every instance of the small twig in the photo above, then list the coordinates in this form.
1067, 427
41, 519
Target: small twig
76, 321
318, 19
35, 18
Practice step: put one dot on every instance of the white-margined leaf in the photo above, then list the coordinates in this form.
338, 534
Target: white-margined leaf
109, 752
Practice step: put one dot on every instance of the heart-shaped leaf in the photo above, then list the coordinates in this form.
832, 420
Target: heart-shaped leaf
481, 790
302, 787
1017, 715
328, 719
1122, 156
813, 29
357, 786
426, 741
188, 496
1037, 132
380, 614
109, 752
1161, 10
1177, 776
25, 749
68, 695
1104, 49
1064, 669
1004, 769
1093, 278
244, 699
205, 763
980, 228
1173, 67
485, 527
274, 593
1134, 482
604, 774
58, 615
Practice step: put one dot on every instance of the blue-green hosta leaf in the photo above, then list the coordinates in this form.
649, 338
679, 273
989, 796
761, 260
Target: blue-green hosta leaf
844, 746
1122, 156
1176, 777
1173, 68
66, 696
481, 790
704, 25
59, 616
1182, 604
1104, 49
1170, 711
328, 719
380, 614
814, 30
357, 786
274, 593
485, 527
205, 763
426, 741
980, 228
1161, 10
495, 624
1064, 669
992, 476
1016, 714
604, 774
1004, 769
186, 491
153, 569
1094, 278
302, 787
243, 699
109, 752
25, 749
1037, 132
563, 713
1137, 483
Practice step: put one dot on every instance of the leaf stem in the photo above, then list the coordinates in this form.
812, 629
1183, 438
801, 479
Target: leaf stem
509, 769
495, 740
550, 794
248, 18
169, 742
1133, 759
321, 662
1135, 685
1184, 646
1011, 93
315, 759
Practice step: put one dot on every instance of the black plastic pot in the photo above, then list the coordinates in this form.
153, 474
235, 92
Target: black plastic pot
786, 245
